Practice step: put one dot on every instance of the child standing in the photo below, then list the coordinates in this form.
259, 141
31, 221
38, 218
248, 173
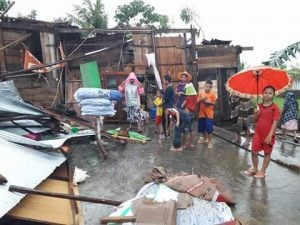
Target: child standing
207, 101
189, 108
289, 119
267, 118
159, 110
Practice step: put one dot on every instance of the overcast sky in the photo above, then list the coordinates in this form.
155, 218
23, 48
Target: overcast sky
267, 25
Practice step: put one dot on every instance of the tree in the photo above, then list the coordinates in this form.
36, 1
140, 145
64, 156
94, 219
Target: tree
90, 15
4, 4
279, 58
61, 20
189, 16
32, 15
137, 13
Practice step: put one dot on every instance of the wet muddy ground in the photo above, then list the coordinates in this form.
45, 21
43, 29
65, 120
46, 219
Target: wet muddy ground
273, 200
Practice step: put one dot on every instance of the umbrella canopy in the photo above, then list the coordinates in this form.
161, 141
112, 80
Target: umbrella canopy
251, 82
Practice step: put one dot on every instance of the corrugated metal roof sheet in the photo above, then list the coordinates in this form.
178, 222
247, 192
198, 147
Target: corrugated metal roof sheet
21, 140
11, 101
23, 123
25, 167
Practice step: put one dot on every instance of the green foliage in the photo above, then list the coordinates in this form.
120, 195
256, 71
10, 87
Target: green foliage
294, 72
137, 13
187, 15
243, 65
32, 15
278, 58
61, 20
90, 14
4, 4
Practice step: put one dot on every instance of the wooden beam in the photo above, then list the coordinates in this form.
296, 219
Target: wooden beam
249, 48
25, 190
105, 31
15, 42
2, 55
117, 219
218, 62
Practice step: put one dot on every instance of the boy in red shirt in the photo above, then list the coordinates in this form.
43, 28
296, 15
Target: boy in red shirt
267, 117
189, 107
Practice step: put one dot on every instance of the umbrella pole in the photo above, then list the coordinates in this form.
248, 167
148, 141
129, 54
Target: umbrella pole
256, 89
257, 74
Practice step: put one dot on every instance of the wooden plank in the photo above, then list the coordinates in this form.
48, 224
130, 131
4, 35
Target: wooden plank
216, 50
117, 219
13, 59
45, 209
12, 35
48, 49
2, 54
228, 61
139, 52
170, 59
134, 31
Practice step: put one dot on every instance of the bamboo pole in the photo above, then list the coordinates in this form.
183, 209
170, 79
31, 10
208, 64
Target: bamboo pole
25, 190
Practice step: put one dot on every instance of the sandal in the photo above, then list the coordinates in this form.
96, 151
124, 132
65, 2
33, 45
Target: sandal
246, 144
202, 140
260, 175
250, 172
210, 145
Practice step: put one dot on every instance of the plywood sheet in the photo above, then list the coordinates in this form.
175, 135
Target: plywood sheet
139, 52
46, 209
170, 55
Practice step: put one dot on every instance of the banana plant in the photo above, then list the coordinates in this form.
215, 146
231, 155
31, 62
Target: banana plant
278, 58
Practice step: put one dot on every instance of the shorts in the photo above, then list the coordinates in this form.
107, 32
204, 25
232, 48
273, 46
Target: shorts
290, 125
189, 122
158, 120
258, 144
205, 125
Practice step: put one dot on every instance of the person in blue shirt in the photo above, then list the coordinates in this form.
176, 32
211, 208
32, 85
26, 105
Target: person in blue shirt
168, 102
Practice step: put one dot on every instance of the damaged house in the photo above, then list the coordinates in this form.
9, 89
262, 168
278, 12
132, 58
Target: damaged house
115, 53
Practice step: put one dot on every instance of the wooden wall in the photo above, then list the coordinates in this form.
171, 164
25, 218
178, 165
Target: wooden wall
11, 57
39, 90
170, 55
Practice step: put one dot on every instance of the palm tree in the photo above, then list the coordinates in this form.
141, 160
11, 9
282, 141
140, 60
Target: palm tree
90, 14
278, 58
188, 15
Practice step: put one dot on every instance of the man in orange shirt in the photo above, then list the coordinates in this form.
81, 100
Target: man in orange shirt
207, 101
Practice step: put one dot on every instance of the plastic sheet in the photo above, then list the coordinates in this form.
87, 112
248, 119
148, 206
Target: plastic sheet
95, 102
